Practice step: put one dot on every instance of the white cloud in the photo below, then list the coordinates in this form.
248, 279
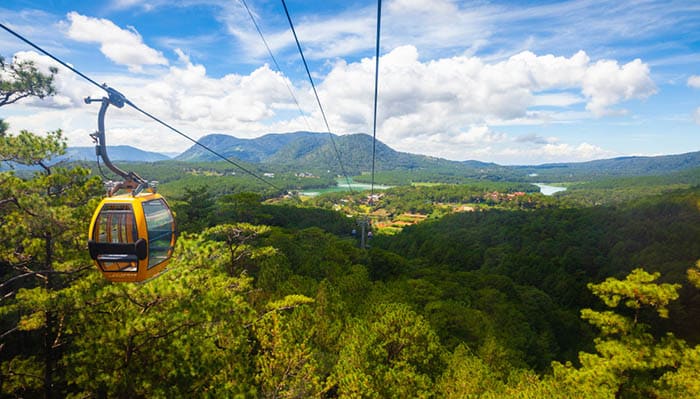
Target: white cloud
444, 97
549, 153
505, 150
581, 151
492, 29
143, 4
558, 100
442, 25
123, 46
445, 107
188, 94
694, 81
605, 83
535, 139
480, 135
696, 115
75, 124
448, 107
185, 97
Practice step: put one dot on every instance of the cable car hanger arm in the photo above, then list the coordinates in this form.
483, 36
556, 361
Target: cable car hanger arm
131, 181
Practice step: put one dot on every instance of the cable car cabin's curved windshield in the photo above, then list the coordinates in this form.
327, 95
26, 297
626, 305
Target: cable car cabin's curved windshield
116, 225
159, 223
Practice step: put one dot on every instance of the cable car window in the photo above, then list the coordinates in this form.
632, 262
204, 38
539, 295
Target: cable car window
116, 225
159, 223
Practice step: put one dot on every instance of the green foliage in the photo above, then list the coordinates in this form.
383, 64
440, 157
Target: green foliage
629, 359
395, 354
194, 211
637, 290
297, 217
42, 254
559, 250
694, 274
287, 362
467, 376
240, 207
181, 334
683, 383
30, 149
424, 198
235, 245
611, 191
480, 304
22, 376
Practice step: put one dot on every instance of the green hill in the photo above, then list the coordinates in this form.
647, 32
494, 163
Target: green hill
615, 167
316, 152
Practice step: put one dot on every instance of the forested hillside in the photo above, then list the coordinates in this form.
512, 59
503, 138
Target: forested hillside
523, 297
307, 151
615, 167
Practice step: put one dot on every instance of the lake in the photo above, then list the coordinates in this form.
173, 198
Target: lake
549, 190
342, 185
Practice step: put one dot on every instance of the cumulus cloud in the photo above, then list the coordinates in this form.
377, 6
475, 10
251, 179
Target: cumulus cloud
444, 97
534, 139
606, 83
694, 81
581, 151
143, 4
558, 100
479, 135
123, 46
450, 107
446, 107
186, 97
550, 152
189, 94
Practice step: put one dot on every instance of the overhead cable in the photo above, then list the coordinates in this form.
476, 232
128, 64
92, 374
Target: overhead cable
204, 146
108, 90
41, 50
376, 90
318, 100
274, 60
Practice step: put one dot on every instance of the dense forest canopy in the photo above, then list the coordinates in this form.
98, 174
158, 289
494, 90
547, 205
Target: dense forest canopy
269, 299
493, 290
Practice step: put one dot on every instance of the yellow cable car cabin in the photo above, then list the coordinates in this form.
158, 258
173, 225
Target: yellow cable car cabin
132, 237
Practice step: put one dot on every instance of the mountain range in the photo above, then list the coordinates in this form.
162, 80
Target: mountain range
308, 151
116, 153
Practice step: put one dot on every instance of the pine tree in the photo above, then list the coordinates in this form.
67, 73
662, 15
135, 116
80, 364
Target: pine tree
43, 254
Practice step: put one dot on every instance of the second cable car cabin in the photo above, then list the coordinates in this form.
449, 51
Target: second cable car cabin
132, 235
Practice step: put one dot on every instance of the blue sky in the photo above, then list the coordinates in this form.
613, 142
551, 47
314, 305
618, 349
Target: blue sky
512, 82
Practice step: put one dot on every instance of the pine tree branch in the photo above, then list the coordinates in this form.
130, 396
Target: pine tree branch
41, 274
